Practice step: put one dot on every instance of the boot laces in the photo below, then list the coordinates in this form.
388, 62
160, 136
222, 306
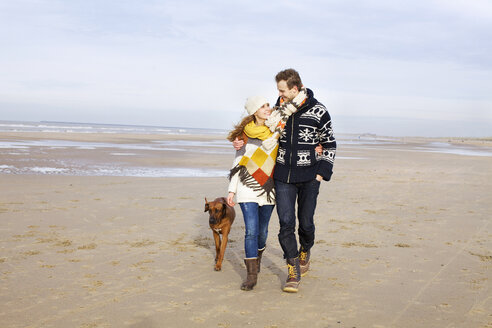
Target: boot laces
303, 256
292, 271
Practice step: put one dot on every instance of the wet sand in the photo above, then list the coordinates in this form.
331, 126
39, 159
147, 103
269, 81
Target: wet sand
403, 239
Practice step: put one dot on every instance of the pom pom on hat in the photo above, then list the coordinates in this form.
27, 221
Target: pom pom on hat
254, 103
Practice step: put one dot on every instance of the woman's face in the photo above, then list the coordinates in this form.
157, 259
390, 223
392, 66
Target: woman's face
263, 112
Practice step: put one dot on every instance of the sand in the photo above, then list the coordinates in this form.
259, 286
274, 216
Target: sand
403, 239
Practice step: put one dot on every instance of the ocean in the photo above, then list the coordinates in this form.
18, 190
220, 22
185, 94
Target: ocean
69, 127
28, 156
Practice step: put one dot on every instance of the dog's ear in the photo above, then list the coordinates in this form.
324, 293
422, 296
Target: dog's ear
224, 210
206, 205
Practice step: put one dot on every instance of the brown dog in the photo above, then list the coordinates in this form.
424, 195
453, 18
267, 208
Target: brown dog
220, 220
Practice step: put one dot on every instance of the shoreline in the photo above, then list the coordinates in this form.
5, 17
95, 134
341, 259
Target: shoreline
164, 155
122, 138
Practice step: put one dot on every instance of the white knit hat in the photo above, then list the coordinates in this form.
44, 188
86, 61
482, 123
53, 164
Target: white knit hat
254, 103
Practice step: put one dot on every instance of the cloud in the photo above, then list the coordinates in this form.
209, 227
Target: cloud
479, 11
423, 59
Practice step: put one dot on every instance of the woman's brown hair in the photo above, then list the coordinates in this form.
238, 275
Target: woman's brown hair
238, 129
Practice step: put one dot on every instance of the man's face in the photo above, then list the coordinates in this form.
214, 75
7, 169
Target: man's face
286, 93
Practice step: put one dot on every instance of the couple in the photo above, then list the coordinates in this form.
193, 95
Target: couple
286, 138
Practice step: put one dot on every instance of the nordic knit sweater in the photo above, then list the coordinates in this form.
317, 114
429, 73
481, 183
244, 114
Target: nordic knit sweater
297, 160
245, 194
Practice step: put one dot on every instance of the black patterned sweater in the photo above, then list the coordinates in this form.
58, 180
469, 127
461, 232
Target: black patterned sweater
297, 160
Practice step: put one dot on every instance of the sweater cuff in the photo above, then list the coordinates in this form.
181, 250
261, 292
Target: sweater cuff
325, 170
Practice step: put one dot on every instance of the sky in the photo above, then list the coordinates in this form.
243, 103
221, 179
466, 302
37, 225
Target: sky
389, 67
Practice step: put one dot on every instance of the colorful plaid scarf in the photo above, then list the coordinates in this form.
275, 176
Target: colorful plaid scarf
256, 166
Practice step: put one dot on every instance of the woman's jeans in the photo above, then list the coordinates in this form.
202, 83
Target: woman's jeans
256, 219
286, 194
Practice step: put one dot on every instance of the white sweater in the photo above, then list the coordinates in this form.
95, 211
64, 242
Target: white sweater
243, 193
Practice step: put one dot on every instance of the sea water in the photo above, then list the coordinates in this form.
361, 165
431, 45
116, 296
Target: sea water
120, 151
69, 166
69, 127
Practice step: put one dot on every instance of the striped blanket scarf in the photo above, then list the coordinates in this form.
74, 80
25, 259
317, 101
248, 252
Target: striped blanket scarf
280, 114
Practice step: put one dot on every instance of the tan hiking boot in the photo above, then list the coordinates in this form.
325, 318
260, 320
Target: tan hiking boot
293, 277
304, 261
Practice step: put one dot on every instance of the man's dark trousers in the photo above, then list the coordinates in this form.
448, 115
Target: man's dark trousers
286, 194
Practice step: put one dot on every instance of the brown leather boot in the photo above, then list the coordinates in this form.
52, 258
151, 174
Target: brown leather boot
251, 278
260, 254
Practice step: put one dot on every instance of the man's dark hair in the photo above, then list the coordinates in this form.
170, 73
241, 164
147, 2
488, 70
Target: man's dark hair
291, 77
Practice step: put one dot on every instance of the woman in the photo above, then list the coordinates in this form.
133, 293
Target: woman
251, 181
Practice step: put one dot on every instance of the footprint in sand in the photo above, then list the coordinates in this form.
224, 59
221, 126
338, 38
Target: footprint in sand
31, 253
94, 285
64, 243
47, 266
482, 257
359, 244
66, 251
141, 265
88, 246
143, 243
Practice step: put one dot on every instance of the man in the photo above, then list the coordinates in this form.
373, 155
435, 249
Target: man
299, 171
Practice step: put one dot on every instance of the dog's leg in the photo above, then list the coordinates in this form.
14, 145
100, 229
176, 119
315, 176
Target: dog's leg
217, 248
223, 245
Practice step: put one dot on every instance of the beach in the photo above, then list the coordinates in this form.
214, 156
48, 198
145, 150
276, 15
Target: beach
109, 230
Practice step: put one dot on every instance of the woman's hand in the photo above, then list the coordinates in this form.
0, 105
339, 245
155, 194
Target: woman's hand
230, 199
237, 143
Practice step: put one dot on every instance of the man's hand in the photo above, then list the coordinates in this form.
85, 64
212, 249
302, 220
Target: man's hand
319, 150
237, 143
230, 199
